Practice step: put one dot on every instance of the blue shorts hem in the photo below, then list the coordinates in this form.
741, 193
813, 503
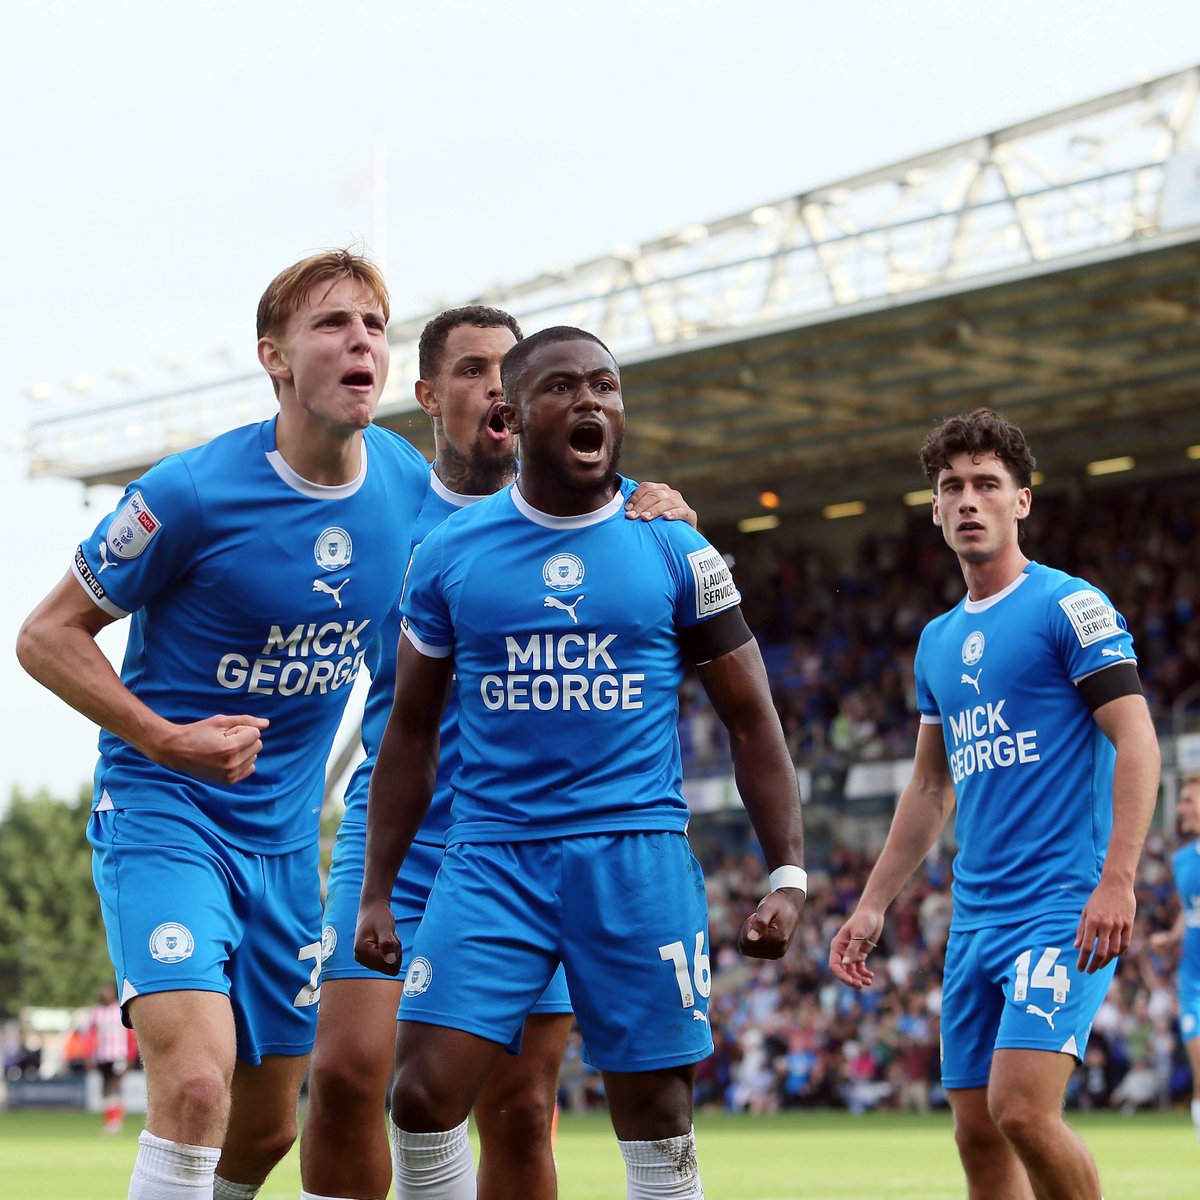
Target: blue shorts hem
1017, 1044
963, 1085
328, 974
456, 1022
557, 1008
175, 985
663, 1063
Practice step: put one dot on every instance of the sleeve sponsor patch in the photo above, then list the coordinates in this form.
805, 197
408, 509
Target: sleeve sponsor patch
130, 530
1091, 616
715, 589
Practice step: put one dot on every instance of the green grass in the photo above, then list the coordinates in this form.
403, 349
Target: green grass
821, 1156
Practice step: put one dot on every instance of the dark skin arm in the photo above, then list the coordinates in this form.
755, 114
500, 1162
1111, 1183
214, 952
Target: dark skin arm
401, 788
736, 684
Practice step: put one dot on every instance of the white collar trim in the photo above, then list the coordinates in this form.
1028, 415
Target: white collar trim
319, 491
978, 606
578, 521
456, 498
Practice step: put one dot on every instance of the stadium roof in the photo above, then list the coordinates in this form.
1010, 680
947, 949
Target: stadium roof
1048, 269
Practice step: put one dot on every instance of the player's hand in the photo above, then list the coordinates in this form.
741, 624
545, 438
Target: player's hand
767, 932
1160, 941
652, 500
375, 942
851, 945
1106, 926
219, 749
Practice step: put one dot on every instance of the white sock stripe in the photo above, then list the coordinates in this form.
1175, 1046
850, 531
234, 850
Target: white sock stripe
226, 1189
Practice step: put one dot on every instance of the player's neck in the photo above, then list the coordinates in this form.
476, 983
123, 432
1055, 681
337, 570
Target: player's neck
467, 478
556, 500
993, 575
320, 454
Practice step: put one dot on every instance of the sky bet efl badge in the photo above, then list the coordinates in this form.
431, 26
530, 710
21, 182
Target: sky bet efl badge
130, 531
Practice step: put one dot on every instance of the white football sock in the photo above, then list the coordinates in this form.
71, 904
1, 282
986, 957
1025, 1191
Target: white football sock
165, 1170
435, 1165
1196, 1116
224, 1189
660, 1169
313, 1196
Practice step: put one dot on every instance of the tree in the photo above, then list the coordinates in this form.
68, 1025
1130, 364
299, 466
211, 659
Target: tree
52, 946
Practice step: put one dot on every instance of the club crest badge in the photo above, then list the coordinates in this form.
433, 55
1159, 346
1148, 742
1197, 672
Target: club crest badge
130, 531
563, 572
972, 648
333, 549
328, 942
172, 942
418, 977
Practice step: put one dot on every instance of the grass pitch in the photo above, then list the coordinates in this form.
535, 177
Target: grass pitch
806, 1156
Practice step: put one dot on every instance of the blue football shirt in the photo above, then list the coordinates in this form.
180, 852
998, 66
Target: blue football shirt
565, 638
1032, 771
440, 502
1185, 866
251, 591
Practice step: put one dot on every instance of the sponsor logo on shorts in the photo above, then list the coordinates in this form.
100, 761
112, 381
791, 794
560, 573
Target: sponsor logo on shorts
418, 977
563, 572
1091, 616
1034, 1011
130, 531
172, 942
333, 549
328, 942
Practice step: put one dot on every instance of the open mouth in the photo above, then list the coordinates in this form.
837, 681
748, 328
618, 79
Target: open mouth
970, 527
587, 440
358, 378
495, 423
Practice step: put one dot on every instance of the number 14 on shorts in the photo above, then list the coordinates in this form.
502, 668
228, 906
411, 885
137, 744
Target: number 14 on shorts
1045, 975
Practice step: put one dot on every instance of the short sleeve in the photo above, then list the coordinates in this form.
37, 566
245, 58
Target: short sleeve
426, 618
704, 582
1088, 631
145, 544
927, 705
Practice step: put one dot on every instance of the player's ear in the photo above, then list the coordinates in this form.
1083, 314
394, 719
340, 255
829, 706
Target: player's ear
510, 414
427, 398
1024, 503
937, 512
273, 359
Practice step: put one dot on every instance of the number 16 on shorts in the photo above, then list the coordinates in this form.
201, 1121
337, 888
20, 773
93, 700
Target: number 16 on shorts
698, 973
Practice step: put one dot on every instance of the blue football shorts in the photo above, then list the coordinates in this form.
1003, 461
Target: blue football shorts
409, 897
185, 912
1189, 1006
626, 916
1015, 987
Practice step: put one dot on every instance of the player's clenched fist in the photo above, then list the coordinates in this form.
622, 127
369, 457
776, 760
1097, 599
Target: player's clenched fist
767, 932
375, 942
220, 749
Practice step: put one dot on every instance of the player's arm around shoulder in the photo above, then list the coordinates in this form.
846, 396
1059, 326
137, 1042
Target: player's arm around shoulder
922, 811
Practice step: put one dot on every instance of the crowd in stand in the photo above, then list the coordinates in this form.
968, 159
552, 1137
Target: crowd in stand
839, 641
839, 638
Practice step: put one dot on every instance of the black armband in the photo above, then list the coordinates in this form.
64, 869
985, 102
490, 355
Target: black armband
722, 634
1109, 683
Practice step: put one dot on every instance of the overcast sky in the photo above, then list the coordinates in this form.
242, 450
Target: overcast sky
162, 161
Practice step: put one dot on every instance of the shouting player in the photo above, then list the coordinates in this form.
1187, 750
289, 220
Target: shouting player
1185, 866
344, 1150
257, 569
1032, 717
566, 627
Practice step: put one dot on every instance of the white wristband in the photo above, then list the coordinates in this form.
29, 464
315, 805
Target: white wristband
788, 877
